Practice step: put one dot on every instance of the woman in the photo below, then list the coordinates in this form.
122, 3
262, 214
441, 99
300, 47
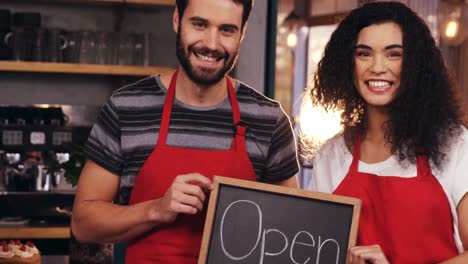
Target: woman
402, 150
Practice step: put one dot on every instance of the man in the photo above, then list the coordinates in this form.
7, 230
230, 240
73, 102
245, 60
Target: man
167, 136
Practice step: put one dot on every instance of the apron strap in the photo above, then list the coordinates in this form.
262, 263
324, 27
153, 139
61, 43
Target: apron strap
166, 115
238, 142
239, 127
356, 153
233, 100
423, 167
422, 163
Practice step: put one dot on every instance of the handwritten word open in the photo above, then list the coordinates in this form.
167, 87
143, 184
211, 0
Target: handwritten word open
261, 239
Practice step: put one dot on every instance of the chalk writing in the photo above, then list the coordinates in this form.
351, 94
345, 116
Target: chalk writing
261, 238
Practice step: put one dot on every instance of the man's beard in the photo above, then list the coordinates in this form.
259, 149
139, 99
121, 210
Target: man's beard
204, 76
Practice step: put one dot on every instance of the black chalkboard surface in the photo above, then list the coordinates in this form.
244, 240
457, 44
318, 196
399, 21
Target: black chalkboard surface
250, 222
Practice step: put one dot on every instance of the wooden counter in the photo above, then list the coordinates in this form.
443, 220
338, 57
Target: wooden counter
25, 232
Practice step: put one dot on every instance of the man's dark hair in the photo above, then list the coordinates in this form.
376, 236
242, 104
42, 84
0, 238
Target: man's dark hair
247, 4
424, 113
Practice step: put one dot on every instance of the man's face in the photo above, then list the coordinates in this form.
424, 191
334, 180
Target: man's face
208, 39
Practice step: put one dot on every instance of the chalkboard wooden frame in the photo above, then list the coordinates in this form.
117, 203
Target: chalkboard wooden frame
273, 189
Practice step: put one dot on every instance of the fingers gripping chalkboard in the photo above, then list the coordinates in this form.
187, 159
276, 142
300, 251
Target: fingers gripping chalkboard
249, 222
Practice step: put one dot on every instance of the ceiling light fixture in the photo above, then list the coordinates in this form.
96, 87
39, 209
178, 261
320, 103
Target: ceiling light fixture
453, 21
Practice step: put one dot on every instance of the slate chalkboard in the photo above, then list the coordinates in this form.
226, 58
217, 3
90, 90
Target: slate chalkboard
249, 222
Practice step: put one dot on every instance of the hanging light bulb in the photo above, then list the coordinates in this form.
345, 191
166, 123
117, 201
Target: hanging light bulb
453, 21
289, 29
291, 39
451, 29
311, 136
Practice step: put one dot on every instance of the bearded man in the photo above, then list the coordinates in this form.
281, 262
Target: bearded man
159, 142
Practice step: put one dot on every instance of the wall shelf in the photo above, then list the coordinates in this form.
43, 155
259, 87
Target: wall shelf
132, 2
74, 68
140, 2
62, 232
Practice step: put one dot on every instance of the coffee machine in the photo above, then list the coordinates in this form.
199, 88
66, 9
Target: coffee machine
36, 145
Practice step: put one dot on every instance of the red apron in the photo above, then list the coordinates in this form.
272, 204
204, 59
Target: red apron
409, 218
179, 242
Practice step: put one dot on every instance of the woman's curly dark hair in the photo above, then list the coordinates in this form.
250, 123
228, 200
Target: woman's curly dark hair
424, 113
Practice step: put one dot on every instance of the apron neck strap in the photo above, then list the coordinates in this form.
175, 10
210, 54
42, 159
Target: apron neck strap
166, 116
239, 141
233, 100
356, 153
422, 164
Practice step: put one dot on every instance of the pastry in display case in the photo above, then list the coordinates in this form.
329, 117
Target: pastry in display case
15, 252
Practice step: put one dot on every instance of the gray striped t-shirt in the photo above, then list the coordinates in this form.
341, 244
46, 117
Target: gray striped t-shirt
127, 128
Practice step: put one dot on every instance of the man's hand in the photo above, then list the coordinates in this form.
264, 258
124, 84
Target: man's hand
186, 195
367, 254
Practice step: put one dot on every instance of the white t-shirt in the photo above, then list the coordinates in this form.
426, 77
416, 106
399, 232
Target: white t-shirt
331, 164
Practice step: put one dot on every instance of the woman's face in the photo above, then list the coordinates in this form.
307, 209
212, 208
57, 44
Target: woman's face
378, 58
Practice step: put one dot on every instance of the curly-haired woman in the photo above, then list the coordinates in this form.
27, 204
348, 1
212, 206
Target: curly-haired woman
404, 149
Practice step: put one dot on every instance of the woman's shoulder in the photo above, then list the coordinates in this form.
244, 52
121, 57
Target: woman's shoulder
333, 146
452, 174
331, 162
463, 137
454, 155
333, 152
458, 143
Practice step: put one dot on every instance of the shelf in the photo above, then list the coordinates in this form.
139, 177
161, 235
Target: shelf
132, 2
74, 68
140, 2
62, 232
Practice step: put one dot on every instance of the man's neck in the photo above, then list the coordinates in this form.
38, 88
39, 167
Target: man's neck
195, 94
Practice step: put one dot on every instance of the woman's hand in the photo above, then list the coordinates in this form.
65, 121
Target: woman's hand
367, 254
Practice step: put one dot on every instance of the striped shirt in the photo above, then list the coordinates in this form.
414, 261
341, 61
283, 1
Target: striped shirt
127, 129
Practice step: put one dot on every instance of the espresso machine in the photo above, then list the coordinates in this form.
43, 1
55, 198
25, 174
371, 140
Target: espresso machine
39, 146
35, 145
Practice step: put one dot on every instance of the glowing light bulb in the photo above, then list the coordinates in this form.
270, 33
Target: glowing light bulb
43, 105
291, 40
329, 123
312, 135
451, 30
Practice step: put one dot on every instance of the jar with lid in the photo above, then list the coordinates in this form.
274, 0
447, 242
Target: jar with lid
5, 28
27, 38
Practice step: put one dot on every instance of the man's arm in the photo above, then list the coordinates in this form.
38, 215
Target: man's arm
282, 154
96, 218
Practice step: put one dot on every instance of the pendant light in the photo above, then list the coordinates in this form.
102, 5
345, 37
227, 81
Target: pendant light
294, 22
453, 21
